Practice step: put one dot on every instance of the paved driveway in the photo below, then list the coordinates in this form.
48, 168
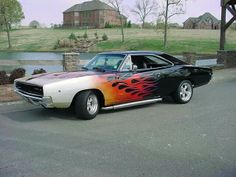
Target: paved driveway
159, 140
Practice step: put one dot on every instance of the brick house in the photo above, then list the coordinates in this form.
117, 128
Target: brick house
91, 14
205, 21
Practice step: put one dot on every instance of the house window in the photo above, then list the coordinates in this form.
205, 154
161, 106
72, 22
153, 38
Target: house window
76, 22
89, 14
209, 20
76, 14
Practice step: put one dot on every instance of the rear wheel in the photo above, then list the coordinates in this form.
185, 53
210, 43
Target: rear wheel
184, 92
86, 105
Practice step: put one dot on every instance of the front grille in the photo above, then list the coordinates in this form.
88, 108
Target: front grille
32, 90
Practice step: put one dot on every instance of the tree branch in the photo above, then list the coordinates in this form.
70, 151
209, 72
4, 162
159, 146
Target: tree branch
144, 8
174, 2
176, 13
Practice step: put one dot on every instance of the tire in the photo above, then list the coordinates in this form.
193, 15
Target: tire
184, 92
86, 105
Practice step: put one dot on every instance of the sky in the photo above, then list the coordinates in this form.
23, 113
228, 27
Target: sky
51, 11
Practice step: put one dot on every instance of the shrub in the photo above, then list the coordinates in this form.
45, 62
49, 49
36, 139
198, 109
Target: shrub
34, 24
15, 74
129, 25
104, 37
3, 78
39, 71
56, 26
85, 36
107, 25
96, 36
57, 45
72, 36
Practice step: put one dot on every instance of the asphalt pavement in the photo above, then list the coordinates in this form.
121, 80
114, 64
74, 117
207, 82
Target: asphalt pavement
159, 140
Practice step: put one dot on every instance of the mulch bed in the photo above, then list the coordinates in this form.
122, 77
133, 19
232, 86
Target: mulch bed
7, 93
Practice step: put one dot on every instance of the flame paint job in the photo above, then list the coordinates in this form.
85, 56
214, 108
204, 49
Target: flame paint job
126, 87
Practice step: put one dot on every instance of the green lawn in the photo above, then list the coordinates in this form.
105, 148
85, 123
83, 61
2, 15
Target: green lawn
179, 40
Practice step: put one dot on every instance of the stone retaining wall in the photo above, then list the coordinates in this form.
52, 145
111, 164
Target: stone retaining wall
71, 61
192, 57
227, 58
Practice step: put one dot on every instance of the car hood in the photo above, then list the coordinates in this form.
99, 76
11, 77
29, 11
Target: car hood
49, 78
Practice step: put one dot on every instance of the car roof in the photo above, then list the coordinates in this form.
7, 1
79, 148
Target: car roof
168, 57
132, 53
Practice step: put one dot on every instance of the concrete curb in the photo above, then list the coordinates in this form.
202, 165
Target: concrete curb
11, 103
224, 74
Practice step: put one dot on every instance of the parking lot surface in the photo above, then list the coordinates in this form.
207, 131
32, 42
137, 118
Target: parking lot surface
159, 140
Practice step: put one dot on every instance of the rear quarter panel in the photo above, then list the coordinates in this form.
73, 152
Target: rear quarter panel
172, 77
199, 75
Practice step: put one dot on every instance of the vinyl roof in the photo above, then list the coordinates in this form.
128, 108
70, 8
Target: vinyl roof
133, 52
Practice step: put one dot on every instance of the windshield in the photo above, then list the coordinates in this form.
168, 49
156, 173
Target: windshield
105, 62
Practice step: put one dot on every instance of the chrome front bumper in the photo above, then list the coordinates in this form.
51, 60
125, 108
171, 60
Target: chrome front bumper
44, 101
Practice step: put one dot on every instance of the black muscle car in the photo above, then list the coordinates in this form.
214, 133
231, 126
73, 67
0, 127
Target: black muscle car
115, 80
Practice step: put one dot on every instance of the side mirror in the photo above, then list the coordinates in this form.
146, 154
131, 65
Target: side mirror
134, 68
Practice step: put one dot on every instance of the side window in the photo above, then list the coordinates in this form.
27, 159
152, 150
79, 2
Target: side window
144, 62
158, 61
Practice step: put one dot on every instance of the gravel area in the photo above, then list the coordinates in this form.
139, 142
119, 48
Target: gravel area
7, 94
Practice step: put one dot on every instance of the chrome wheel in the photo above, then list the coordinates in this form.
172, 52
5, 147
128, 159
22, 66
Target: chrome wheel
92, 104
86, 105
186, 91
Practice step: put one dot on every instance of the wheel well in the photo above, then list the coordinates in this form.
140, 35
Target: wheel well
192, 81
188, 79
97, 92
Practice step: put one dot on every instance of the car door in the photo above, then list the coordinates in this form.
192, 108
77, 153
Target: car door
136, 83
166, 74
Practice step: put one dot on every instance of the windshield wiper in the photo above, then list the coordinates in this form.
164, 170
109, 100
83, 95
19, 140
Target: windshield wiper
99, 69
85, 68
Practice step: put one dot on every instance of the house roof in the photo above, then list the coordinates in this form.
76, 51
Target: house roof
204, 18
192, 19
89, 5
207, 16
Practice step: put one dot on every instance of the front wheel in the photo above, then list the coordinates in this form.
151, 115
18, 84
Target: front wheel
86, 105
184, 92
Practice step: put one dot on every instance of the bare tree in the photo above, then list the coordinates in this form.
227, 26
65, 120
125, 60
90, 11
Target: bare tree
144, 8
172, 8
117, 5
